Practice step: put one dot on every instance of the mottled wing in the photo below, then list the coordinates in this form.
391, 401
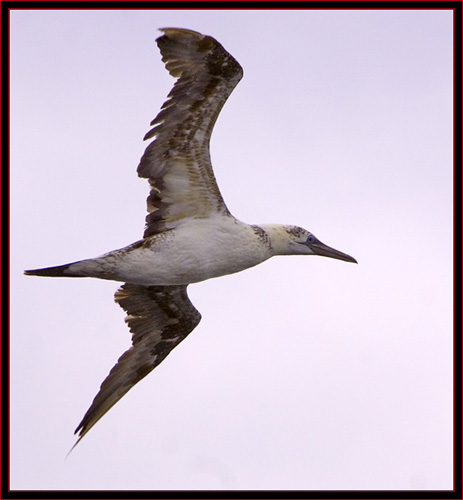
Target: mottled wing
177, 163
159, 317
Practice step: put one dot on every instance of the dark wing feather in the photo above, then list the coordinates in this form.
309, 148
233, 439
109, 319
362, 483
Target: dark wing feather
177, 162
159, 317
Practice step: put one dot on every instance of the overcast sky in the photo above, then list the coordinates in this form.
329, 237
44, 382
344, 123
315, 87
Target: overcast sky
305, 372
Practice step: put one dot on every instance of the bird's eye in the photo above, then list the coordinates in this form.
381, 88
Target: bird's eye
310, 239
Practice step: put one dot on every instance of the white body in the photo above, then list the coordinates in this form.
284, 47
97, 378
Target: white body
192, 252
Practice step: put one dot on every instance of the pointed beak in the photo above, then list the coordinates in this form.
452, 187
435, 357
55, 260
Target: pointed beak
320, 248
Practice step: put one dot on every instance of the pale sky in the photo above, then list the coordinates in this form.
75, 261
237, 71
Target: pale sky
305, 372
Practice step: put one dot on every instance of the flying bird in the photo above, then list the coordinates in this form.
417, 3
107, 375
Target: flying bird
190, 235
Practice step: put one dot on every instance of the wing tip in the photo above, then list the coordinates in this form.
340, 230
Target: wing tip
169, 32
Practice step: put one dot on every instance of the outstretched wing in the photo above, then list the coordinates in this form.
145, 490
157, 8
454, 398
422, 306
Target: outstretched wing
177, 163
159, 317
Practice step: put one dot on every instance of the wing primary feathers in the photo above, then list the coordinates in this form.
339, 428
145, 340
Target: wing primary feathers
159, 317
177, 163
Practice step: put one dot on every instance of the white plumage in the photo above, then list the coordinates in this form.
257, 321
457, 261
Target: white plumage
190, 234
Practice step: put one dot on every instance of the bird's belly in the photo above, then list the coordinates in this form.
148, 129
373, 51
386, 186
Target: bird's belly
188, 265
187, 268
181, 257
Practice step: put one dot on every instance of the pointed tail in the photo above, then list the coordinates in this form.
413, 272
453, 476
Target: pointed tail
55, 272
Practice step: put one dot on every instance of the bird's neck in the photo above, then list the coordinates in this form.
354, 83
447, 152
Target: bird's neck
278, 238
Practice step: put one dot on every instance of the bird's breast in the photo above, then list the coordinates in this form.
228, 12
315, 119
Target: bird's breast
193, 252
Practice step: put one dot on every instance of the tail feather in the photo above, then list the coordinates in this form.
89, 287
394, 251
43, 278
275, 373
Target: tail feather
55, 272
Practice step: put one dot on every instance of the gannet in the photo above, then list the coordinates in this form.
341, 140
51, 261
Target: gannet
190, 235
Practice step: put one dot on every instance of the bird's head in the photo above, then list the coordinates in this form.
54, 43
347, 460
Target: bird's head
294, 240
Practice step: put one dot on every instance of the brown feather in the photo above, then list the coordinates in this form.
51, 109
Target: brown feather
177, 163
159, 317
